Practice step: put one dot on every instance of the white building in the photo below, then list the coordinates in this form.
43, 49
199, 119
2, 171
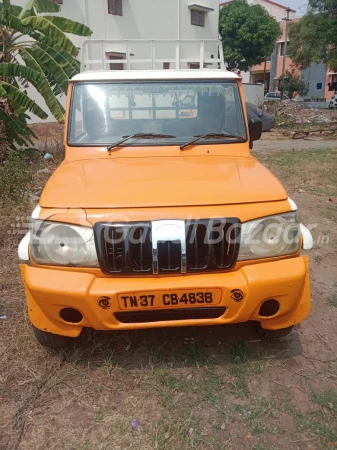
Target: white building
139, 20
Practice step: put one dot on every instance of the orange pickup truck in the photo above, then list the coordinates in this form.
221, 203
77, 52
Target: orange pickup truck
158, 218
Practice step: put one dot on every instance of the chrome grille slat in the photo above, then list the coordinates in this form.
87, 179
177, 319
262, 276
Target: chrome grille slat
190, 247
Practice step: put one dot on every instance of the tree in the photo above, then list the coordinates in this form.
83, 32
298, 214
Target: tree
314, 38
34, 49
292, 83
248, 34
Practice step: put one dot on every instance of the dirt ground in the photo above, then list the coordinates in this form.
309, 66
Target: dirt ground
207, 389
48, 132
290, 144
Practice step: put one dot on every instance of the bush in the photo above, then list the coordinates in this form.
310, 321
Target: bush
14, 177
292, 83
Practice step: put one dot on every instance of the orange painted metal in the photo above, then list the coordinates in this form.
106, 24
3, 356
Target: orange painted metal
49, 291
157, 183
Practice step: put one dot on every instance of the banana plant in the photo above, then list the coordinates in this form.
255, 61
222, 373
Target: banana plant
34, 50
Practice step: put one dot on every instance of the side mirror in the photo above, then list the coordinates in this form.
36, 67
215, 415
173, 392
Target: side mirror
255, 130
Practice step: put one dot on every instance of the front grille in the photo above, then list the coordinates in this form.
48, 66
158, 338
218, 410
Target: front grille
212, 245
170, 315
124, 248
127, 249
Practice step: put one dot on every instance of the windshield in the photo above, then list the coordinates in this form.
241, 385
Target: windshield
104, 113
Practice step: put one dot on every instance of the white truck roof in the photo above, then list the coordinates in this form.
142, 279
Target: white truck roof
130, 75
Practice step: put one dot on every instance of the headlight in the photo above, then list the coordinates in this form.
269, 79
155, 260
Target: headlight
271, 236
59, 244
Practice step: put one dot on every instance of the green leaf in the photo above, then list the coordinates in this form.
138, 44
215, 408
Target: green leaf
50, 68
20, 109
44, 87
61, 60
314, 39
69, 26
41, 6
15, 10
14, 126
22, 118
18, 70
249, 34
55, 34
21, 99
61, 107
45, 41
9, 20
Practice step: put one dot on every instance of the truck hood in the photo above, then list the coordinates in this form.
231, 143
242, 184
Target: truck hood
160, 182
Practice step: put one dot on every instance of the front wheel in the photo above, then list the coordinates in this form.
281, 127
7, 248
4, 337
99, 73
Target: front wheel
53, 341
274, 334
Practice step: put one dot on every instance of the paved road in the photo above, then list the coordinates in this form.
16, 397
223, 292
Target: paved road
298, 144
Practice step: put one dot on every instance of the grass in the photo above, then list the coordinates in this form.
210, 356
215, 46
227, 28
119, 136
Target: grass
318, 258
332, 300
313, 168
321, 423
326, 399
195, 388
310, 175
264, 447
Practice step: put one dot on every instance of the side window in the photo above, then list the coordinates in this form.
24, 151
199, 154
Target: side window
77, 122
197, 18
115, 7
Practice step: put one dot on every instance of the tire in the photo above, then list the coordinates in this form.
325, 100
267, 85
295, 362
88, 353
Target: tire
53, 341
274, 334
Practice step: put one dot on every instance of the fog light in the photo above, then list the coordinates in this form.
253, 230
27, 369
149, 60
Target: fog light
71, 315
269, 308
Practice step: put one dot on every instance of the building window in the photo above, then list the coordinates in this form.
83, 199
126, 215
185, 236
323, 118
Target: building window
166, 66
282, 45
197, 65
113, 56
115, 7
197, 18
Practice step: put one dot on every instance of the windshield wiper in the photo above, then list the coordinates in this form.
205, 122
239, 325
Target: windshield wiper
139, 136
212, 136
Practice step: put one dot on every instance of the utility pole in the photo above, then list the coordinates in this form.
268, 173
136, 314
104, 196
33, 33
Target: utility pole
285, 50
264, 74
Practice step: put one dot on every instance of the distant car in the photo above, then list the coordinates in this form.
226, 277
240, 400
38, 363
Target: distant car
274, 97
268, 120
333, 102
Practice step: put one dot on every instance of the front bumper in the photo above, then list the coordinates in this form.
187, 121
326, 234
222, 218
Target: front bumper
48, 291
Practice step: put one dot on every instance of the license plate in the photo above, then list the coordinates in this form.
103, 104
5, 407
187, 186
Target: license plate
179, 298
